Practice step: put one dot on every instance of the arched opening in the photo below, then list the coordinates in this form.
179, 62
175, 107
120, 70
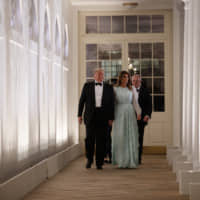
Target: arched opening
57, 39
16, 15
66, 42
47, 41
33, 22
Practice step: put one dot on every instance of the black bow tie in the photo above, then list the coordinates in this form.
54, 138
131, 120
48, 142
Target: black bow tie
100, 84
138, 90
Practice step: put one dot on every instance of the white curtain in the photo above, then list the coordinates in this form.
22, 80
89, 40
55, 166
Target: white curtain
33, 89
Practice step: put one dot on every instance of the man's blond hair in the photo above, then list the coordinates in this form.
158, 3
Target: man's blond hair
98, 70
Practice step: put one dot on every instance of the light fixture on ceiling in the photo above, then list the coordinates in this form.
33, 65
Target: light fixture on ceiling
130, 4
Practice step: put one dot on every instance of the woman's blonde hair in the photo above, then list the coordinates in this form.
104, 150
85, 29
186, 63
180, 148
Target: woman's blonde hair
119, 80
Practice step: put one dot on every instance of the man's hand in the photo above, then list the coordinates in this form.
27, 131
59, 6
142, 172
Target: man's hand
146, 118
138, 117
110, 122
80, 119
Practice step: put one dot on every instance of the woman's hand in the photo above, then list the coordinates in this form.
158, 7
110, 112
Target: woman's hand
146, 118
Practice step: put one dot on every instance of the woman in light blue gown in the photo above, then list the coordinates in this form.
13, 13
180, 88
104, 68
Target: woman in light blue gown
125, 142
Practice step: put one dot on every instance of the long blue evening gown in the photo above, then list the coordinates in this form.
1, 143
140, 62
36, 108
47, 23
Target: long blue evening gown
125, 131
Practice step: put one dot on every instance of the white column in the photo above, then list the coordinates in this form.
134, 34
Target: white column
195, 84
198, 32
186, 163
197, 4
185, 72
174, 152
189, 180
188, 80
178, 21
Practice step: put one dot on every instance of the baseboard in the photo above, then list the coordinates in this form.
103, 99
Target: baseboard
160, 150
17, 187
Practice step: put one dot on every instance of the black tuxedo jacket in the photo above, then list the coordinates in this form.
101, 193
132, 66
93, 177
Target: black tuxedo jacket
87, 99
145, 102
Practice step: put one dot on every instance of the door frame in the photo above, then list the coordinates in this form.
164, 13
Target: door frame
124, 39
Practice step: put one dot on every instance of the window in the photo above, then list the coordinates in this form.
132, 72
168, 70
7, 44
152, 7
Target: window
125, 24
144, 24
131, 24
157, 23
91, 24
105, 56
117, 24
104, 24
147, 59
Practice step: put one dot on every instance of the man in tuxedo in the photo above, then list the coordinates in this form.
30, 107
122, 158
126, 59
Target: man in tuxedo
144, 100
98, 99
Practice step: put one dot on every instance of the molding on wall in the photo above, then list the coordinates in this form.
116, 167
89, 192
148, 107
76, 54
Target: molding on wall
26, 181
154, 150
118, 4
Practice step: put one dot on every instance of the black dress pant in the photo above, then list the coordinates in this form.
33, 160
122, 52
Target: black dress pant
108, 143
96, 135
141, 126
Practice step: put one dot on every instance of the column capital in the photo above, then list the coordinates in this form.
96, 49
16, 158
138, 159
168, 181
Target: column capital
186, 1
186, 4
179, 5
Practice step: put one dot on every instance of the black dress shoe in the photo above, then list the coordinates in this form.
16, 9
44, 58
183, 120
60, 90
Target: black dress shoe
88, 164
99, 167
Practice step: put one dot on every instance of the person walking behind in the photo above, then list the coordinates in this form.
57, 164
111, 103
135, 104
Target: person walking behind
144, 100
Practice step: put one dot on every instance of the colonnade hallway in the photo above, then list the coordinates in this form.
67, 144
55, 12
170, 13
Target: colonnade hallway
153, 180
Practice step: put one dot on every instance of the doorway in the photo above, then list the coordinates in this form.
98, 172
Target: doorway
142, 43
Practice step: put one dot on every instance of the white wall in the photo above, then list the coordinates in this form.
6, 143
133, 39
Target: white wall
39, 96
73, 80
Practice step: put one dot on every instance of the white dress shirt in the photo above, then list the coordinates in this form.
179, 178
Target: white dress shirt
98, 94
136, 93
135, 101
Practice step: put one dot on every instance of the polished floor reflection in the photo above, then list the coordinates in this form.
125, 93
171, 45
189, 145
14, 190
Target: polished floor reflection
153, 180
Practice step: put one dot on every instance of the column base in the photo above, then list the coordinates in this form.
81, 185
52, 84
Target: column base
175, 160
187, 177
194, 191
172, 152
182, 166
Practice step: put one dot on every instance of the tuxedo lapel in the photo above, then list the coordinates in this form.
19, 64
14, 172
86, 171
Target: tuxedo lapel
92, 92
140, 96
140, 92
104, 94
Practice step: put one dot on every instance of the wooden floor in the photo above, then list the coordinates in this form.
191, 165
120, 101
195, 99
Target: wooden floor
153, 180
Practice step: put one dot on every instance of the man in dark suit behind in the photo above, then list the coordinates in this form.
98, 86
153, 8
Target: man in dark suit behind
98, 99
144, 100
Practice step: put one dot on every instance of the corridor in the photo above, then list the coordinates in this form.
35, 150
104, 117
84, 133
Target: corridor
50, 48
153, 180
